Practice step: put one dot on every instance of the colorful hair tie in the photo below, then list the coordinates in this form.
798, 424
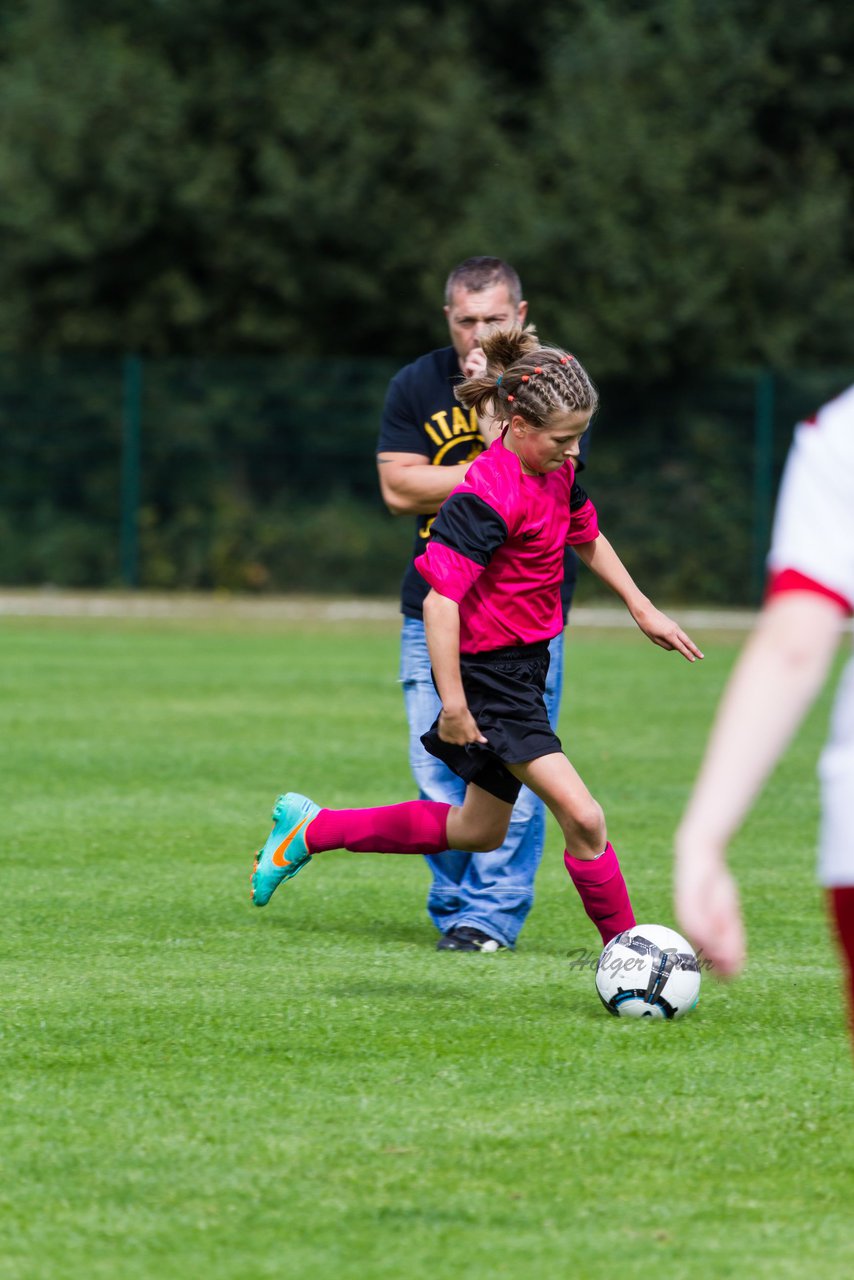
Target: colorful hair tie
526, 377
538, 369
498, 379
511, 399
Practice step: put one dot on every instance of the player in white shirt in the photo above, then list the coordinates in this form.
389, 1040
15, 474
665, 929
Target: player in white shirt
778, 676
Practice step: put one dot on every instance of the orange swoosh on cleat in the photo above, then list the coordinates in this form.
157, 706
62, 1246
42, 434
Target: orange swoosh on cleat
279, 860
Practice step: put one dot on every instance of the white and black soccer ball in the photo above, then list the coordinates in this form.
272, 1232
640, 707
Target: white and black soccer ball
648, 971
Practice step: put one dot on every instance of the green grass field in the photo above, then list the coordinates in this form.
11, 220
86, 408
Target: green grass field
194, 1088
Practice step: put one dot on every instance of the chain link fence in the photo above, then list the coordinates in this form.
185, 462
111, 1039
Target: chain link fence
258, 475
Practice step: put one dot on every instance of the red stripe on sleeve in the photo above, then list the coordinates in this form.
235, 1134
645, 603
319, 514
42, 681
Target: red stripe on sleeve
784, 580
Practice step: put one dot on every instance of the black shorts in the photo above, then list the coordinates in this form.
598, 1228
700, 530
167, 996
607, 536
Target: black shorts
504, 689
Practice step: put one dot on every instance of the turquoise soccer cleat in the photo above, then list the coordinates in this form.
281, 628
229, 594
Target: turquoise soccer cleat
285, 852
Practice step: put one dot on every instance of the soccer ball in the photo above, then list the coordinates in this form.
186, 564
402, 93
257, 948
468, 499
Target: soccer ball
648, 971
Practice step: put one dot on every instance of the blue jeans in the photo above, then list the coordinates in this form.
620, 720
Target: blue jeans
490, 891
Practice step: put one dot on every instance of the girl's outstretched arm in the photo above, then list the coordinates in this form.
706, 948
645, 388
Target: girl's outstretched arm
777, 677
602, 559
442, 628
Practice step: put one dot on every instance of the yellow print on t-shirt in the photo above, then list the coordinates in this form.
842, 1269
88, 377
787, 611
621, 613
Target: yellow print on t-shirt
462, 438
446, 433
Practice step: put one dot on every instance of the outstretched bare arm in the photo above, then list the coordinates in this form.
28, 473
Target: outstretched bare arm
773, 684
601, 558
442, 628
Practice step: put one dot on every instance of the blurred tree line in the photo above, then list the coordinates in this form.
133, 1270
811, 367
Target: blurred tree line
672, 178
262, 198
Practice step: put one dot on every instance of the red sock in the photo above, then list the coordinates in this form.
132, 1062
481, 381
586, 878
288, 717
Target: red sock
841, 902
603, 891
417, 826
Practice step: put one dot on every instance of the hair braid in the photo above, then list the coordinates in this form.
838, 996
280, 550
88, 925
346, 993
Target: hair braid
525, 378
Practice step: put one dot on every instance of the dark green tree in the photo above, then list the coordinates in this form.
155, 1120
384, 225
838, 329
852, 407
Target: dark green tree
210, 182
673, 178
682, 176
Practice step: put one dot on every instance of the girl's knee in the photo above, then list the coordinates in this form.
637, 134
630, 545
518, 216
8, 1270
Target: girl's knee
587, 821
481, 836
483, 841
476, 832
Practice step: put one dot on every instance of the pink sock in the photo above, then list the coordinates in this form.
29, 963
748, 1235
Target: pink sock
417, 826
603, 891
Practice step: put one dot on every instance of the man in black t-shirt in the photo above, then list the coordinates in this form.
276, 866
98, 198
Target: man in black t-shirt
478, 901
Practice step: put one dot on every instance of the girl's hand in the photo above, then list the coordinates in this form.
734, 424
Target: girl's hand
459, 727
707, 906
665, 632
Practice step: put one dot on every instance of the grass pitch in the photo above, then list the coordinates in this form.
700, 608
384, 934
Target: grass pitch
191, 1087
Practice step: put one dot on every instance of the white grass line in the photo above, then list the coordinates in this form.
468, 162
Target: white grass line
690, 619
54, 603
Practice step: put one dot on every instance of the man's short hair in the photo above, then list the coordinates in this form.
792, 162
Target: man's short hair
476, 274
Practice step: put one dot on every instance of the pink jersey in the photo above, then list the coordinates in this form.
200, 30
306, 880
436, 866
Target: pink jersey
497, 548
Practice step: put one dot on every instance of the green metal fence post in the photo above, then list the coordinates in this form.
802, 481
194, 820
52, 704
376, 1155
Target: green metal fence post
763, 477
130, 468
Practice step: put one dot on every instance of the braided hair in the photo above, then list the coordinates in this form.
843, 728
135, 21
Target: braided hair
523, 377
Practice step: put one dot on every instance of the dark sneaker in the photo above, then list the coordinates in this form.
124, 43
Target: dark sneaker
464, 938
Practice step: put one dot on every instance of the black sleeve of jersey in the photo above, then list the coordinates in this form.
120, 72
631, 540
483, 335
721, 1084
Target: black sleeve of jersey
470, 526
578, 497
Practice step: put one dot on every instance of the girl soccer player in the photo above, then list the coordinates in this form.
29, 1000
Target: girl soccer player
494, 563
